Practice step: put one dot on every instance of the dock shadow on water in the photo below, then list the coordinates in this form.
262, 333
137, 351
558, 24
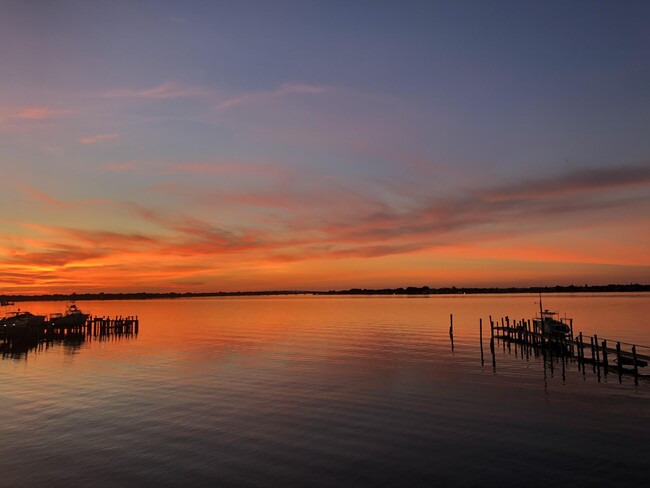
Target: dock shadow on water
18, 340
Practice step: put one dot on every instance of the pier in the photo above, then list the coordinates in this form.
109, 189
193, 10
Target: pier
601, 355
118, 325
16, 342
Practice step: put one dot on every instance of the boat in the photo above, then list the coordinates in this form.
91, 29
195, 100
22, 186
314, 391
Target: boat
5, 303
550, 323
22, 319
71, 318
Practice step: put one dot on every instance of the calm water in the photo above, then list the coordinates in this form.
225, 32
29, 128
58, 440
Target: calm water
324, 391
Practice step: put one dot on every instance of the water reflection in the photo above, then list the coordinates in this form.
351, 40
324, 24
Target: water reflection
322, 391
569, 355
18, 345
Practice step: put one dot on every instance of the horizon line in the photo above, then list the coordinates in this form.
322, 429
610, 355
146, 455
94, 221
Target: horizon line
409, 290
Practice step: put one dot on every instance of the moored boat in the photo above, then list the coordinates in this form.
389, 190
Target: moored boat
550, 322
71, 318
22, 319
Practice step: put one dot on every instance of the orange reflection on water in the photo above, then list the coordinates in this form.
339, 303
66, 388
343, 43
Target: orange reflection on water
366, 330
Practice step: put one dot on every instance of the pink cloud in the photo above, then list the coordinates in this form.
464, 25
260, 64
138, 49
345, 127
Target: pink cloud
30, 115
45, 198
229, 167
35, 113
98, 138
121, 166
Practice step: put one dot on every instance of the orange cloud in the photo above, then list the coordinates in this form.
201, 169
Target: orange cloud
319, 234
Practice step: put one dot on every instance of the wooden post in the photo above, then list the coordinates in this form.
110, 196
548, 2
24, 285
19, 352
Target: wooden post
451, 330
581, 357
636, 366
593, 354
605, 365
597, 353
494, 359
526, 332
491, 328
480, 336
618, 360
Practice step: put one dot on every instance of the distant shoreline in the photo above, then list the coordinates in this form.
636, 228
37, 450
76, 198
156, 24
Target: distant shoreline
411, 290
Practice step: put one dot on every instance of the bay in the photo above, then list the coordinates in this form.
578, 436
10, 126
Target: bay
324, 391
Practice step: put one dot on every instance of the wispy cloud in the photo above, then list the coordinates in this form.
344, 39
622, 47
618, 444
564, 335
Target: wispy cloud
38, 113
329, 223
373, 221
264, 96
54, 203
57, 255
166, 90
44, 198
127, 166
288, 88
228, 167
575, 181
98, 138
30, 116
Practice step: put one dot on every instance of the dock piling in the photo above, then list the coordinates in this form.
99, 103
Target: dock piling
480, 335
451, 330
619, 362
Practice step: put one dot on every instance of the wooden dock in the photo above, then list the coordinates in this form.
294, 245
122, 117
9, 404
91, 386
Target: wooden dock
601, 354
19, 340
117, 325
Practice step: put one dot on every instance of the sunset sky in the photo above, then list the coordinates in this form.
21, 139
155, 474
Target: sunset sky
240, 145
